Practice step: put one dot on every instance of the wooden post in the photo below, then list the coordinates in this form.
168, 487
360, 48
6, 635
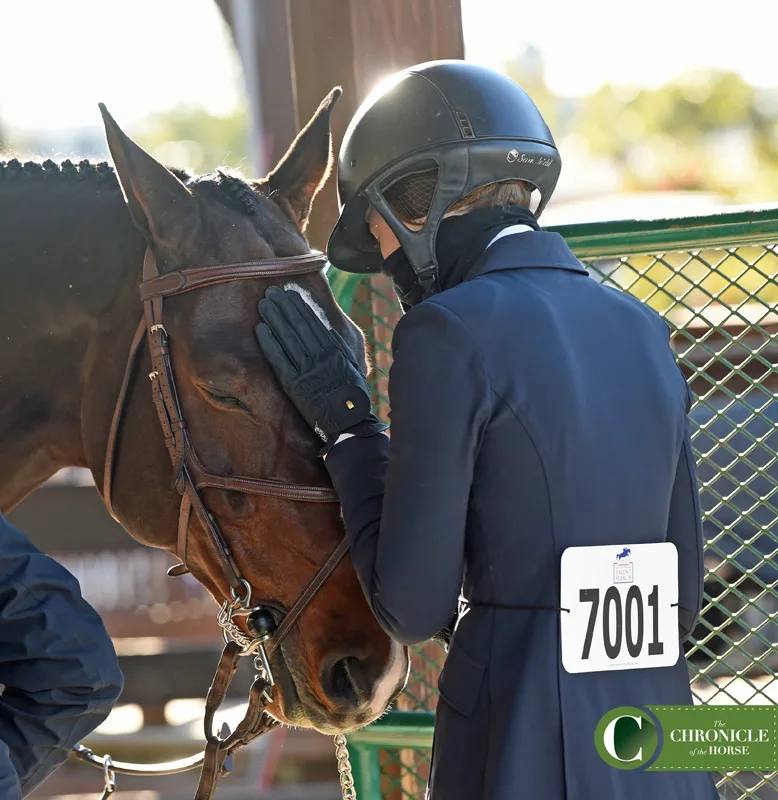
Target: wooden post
268, 76
353, 44
305, 47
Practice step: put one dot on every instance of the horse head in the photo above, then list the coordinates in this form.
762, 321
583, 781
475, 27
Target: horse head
337, 669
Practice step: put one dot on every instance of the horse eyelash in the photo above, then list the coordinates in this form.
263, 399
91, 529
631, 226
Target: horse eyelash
224, 400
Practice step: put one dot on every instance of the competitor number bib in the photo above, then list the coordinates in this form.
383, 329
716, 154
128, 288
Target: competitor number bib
623, 607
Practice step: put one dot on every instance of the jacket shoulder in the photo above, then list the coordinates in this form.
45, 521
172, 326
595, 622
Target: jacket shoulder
639, 309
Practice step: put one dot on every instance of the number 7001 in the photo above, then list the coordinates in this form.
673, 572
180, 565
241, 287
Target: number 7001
627, 631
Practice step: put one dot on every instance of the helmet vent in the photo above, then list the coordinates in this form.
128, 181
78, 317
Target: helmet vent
411, 196
464, 125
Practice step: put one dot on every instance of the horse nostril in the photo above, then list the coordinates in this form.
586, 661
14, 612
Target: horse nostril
347, 681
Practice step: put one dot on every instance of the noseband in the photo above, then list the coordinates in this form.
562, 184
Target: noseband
190, 476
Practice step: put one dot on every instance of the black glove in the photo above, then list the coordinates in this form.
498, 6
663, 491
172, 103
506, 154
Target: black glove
316, 368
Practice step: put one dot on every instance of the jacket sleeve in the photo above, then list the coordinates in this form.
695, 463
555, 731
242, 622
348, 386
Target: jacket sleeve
405, 500
685, 532
57, 664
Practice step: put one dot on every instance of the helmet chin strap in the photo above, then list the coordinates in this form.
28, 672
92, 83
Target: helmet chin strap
404, 279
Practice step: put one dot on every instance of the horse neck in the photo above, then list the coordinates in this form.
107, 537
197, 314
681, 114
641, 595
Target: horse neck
70, 265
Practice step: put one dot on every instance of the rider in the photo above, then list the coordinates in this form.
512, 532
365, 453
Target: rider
532, 410
58, 667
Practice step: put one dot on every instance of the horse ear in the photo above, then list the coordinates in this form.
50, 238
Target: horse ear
161, 206
298, 176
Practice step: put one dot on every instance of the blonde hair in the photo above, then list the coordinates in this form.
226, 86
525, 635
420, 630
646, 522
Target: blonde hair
411, 197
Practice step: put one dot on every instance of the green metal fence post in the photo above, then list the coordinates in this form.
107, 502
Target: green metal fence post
366, 771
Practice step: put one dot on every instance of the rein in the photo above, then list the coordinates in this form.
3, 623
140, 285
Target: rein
189, 477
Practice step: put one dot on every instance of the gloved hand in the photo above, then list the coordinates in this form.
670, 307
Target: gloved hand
315, 367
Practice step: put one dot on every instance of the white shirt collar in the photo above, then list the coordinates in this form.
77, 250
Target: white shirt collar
509, 232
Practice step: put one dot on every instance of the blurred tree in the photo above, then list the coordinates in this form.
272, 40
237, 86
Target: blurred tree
708, 130
528, 71
192, 138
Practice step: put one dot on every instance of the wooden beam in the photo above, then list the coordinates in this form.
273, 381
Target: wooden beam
323, 57
388, 36
69, 519
353, 44
305, 47
152, 680
270, 90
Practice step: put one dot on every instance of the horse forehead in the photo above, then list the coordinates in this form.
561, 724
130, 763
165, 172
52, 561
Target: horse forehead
234, 304
218, 322
223, 317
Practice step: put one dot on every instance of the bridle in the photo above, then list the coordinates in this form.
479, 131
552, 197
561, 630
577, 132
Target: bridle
189, 474
189, 477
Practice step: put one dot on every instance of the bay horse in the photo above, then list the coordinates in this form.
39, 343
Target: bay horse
71, 260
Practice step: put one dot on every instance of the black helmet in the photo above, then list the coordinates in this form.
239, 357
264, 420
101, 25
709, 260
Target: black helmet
473, 125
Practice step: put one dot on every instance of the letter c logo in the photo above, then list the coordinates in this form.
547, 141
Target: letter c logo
626, 738
609, 738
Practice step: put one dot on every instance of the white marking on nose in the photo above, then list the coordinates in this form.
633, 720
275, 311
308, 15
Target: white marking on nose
308, 297
393, 677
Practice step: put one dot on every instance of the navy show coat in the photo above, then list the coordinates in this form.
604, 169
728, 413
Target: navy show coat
532, 409
58, 667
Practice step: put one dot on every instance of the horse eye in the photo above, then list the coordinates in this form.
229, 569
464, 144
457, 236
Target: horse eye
222, 399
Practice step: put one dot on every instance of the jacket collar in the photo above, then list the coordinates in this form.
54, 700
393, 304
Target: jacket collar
530, 250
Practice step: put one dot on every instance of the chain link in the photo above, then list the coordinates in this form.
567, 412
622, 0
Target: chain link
347, 790
238, 606
110, 778
232, 632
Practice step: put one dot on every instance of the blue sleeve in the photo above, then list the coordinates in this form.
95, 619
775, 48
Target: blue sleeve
58, 666
10, 788
405, 499
684, 530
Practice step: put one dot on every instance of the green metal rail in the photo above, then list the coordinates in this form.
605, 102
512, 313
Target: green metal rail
715, 280
736, 227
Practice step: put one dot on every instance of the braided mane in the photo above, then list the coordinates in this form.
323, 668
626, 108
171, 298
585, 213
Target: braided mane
49, 170
223, 185
15, 170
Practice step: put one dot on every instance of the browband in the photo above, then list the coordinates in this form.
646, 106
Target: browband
185, 280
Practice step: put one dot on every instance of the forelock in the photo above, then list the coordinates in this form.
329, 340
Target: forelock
229, 188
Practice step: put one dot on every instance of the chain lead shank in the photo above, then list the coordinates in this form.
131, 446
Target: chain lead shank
347, 789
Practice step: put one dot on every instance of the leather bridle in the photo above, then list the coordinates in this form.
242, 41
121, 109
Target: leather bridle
189, 477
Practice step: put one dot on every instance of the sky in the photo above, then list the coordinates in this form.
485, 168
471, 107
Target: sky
59, 59
586, 43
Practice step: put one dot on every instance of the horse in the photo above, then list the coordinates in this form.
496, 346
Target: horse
71, 262
623, 554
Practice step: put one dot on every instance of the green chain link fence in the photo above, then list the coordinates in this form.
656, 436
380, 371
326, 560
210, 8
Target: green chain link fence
715, 281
